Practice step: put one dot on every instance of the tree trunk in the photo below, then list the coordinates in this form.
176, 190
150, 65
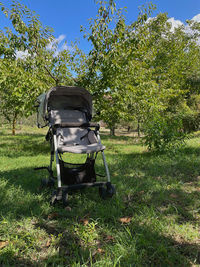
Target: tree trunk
138, 128
112, 131
14, 124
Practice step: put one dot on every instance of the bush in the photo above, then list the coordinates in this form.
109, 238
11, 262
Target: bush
191, 122
164, 132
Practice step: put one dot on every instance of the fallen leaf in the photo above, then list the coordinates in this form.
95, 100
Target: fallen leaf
97, 242
53, 215
100, 250
109, 238
48, 243
3, 244
125, 219
141, 192
189, 183
68, 208
173, 196
84, 221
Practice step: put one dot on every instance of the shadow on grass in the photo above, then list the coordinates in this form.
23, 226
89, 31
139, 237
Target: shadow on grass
145, 244
144, 247
144, 181
23, 145
8, 257
21, 135
25, 178
159, 250
184, 165
20, 195
134, 172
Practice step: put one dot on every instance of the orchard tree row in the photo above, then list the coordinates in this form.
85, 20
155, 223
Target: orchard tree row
146, 70
23, 78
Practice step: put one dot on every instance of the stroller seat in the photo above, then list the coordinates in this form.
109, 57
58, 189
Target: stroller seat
78, 141
74, 140
81, 149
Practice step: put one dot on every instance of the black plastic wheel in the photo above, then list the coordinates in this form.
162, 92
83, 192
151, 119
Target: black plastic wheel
65, 198
102, 192
110, 190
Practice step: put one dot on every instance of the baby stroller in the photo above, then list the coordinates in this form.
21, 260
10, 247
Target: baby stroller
67, 111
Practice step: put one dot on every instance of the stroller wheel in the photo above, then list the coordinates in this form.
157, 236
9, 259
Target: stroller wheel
65, 198
110, 190
102, 192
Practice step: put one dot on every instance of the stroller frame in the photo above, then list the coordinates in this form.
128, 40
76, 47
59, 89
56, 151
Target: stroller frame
106, 189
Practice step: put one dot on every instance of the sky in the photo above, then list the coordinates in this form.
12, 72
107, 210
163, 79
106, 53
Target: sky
66, 16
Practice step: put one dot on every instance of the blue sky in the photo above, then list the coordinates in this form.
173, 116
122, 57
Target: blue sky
66, 16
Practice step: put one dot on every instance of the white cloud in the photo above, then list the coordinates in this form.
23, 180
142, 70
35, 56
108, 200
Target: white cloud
65, 46
50, 46
56, 41
60, 41
60, 45
189, 31
196, 18
60, 38
175, 23
21, 54
150, 19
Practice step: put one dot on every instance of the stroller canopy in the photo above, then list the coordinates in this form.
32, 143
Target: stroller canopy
63, 98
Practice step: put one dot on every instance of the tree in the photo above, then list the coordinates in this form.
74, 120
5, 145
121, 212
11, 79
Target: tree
115, 67
23, 79
18, 89
145, 66
176, 58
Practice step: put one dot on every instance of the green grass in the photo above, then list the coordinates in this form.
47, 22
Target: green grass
158, 193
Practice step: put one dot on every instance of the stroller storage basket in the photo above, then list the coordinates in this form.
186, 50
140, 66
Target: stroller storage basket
77, 173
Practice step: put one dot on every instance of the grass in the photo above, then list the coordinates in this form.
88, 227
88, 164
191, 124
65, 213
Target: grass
153, 220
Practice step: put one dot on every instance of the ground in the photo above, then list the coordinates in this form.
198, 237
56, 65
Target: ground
153, 220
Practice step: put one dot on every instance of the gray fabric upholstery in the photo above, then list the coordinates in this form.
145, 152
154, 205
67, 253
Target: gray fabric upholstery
92, 137
81, 149
77, 140
61, 97
66, 116
72, 136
